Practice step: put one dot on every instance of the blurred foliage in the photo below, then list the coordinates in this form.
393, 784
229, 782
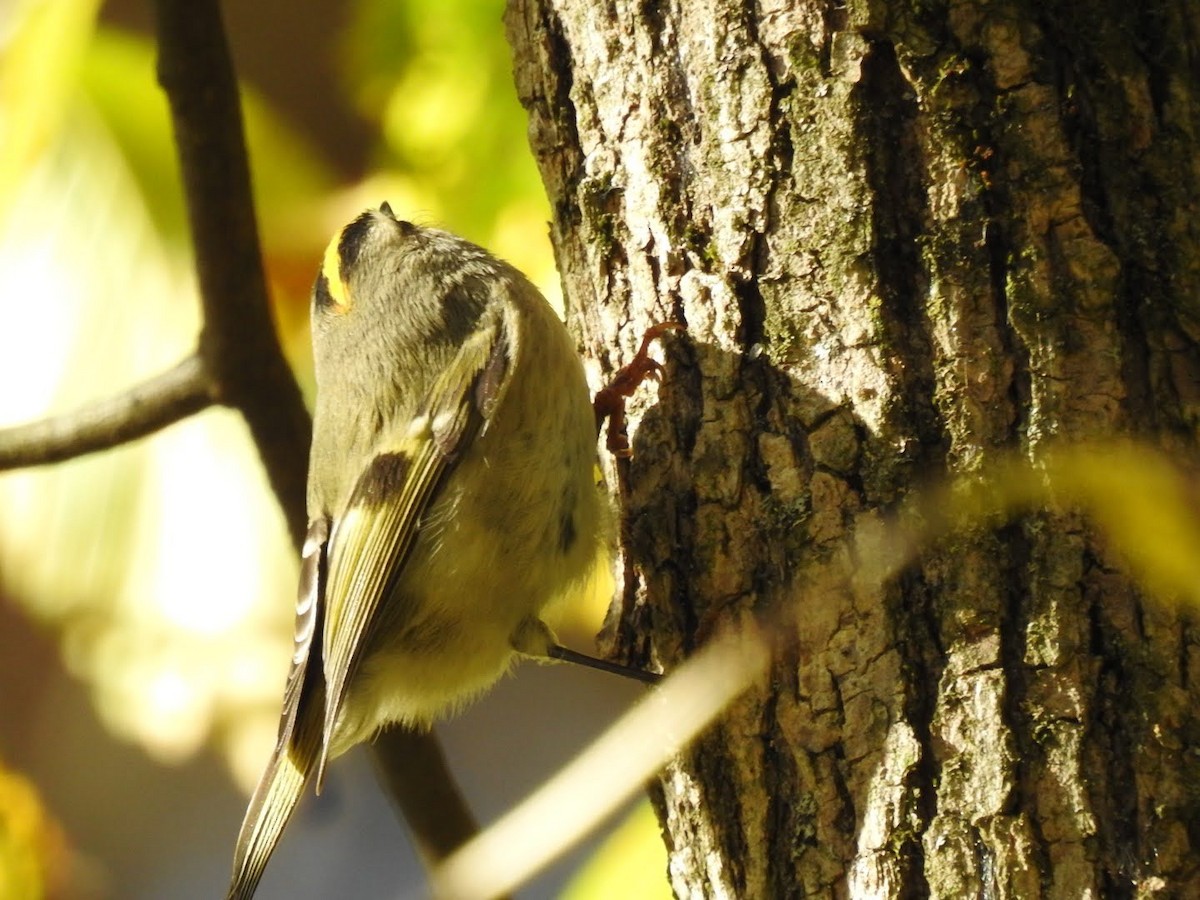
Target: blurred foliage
35, 859
437, 79
290, 181
28, 840
42, 46
632, 862
292, 184
1145, 502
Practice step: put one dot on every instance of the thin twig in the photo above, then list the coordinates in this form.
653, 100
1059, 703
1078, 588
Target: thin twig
413, 767
163, 400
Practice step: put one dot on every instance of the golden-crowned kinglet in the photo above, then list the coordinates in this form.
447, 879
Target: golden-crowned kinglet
451, 497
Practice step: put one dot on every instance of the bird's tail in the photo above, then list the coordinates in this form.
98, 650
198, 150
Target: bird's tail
274, 799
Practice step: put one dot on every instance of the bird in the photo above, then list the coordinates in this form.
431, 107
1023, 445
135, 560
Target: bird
452, 500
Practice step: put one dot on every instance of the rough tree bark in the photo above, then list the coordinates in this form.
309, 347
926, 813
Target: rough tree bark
906, 238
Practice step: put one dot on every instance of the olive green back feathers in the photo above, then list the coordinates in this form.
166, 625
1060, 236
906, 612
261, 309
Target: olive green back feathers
451, 498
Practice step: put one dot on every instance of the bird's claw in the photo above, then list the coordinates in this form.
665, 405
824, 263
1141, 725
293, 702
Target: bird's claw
610, 400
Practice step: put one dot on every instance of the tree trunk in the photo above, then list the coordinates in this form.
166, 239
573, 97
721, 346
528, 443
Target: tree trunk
906, 238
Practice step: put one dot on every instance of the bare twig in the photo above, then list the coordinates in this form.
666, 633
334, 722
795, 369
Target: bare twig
163, 400
433, 807
238, 343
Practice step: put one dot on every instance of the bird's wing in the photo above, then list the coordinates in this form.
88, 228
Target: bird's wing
299, 730
378, 528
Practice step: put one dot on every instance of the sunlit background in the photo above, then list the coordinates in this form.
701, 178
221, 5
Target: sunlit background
145, 593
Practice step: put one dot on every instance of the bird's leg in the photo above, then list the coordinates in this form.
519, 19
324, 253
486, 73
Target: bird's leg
557, 651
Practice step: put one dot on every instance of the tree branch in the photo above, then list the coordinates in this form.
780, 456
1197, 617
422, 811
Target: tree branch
238, 343
412, 766
163, 400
